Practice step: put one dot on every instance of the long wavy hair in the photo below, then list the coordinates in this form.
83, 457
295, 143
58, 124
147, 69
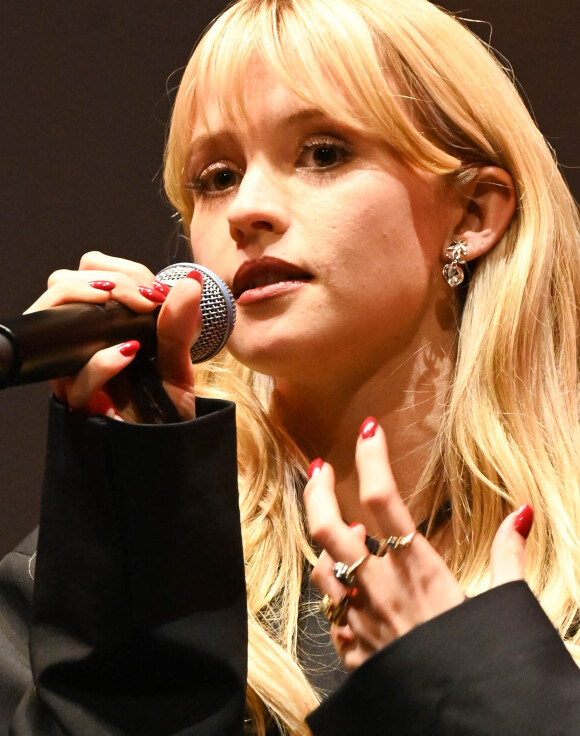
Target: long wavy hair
413, 75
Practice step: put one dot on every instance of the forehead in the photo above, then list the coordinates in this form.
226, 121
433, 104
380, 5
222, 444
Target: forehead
257, 95
265, 103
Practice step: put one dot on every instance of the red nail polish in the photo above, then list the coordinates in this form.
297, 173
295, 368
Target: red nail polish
354, 523
129, 349
196, 276
368, 428
163, 288
524, 519
102, 285
315, 467
152, 295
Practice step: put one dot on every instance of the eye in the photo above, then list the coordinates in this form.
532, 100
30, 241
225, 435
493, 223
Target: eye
324, 153
216, 179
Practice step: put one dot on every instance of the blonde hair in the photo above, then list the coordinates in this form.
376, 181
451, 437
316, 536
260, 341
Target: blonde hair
413, 75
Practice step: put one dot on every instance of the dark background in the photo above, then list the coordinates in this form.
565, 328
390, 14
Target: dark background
86, 89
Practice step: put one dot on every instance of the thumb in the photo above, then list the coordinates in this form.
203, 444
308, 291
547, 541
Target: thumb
508, 551
178, 327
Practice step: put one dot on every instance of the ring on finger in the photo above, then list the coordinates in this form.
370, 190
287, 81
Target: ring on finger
339, 611
395, 543
333, 613
345, 573
326, 606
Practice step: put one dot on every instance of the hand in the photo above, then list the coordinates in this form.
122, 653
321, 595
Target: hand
98, 386
407, 586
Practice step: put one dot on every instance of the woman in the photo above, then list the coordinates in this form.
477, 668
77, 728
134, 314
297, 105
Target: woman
329, 160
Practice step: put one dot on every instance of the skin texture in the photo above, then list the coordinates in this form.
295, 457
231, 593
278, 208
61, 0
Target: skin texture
367, 327
367, 228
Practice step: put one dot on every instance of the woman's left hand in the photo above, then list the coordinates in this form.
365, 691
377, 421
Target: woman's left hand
404, 588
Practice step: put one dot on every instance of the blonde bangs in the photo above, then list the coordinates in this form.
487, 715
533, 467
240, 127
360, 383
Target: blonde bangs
358, 70
351, 71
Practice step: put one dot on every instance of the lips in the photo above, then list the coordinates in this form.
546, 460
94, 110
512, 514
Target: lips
264, 272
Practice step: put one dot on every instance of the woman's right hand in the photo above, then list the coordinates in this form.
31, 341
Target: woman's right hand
98, 387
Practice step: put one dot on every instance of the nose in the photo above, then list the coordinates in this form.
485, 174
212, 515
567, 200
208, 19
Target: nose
260, 206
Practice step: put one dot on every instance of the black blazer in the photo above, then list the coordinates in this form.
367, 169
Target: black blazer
138, 614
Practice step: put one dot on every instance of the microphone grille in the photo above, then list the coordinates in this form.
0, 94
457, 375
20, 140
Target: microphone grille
218, 309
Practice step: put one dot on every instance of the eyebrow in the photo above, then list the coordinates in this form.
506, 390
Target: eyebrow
294, 118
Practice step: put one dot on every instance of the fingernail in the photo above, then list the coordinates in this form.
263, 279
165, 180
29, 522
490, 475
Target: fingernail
524, 519
102, 285
129, 349
163, 288
315, 467
368, 428
354, 523
152, 295
196, 276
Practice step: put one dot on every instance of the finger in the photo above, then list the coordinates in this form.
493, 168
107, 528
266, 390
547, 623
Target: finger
322, 573
97, 261
348, 647
138, 291
101, 368
101, 403
68, 292
508, 551
325, 522
377, 487
178, 327
323, 577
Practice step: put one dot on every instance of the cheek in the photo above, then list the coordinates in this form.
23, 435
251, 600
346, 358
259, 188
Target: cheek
206, 238
384, 258
383, 241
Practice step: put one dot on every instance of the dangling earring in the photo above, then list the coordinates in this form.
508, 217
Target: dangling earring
453, 272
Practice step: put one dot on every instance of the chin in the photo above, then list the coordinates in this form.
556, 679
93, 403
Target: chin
275, 358
260, 360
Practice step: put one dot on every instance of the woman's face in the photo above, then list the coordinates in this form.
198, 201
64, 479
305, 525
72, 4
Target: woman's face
331, 244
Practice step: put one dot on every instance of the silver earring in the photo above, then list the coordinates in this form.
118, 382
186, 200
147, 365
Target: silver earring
453, 272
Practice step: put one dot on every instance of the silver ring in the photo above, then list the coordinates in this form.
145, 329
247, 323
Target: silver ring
345, 573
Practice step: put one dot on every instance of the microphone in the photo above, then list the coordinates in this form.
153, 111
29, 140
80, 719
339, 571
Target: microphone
59, 341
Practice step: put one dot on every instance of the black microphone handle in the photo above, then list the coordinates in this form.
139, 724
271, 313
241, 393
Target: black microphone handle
59, 341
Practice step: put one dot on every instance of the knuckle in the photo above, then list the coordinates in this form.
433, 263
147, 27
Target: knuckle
321, 533
90, 260
378, 495
56, 276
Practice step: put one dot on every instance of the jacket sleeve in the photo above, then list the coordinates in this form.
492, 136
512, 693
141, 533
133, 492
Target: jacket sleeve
139, 609
494, 665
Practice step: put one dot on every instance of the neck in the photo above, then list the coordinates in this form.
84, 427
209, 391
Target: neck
406, 396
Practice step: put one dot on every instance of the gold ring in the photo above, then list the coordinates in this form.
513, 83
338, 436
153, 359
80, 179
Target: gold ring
339, 610
326, 607
394, 543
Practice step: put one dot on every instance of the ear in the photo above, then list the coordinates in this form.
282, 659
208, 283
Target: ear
489, 203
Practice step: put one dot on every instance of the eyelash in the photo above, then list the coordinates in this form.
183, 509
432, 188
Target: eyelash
200, 184
343, 151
